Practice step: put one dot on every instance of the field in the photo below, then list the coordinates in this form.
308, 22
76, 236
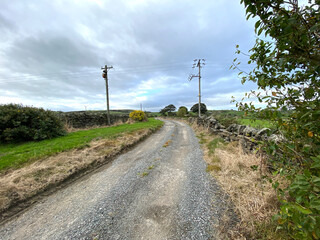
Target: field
228, 117
16, 155
256, 123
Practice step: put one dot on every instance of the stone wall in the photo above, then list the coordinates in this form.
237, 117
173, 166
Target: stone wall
246, 135
83, 119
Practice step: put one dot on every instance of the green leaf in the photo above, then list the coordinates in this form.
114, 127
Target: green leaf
302, 209
257, 24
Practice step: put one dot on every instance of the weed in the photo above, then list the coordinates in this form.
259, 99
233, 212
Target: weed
144, 174
211, 168
167, 143
202, 138
215, 159
215, 143
151, 167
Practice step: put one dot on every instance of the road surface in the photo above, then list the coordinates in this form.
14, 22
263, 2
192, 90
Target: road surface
158, 190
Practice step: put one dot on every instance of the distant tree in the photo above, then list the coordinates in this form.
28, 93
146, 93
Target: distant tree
182, 111
168, 109
195, 108
163, 112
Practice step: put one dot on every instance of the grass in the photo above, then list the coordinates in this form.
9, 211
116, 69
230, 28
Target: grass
17, 155
144, 174
255, 123
215, 143
250, 195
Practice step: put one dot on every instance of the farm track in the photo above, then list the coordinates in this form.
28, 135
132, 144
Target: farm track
158, 190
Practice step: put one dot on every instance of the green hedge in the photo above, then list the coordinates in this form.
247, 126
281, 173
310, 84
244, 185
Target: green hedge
20, 123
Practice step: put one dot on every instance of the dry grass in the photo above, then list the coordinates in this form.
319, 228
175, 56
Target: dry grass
252, 196
70, 129
20, 184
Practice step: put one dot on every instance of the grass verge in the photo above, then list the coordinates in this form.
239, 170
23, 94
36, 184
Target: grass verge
17, 155
23, 180
243, 177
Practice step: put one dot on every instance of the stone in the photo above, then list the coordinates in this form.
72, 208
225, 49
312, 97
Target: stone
249, 131
262, 134
240, 129
276, 138
232, 127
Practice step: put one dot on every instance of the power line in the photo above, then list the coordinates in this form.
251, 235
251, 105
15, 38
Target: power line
92, 73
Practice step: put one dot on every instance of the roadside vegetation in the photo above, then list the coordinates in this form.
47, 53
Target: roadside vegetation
250, 200
29, 168
286, 69
15, 155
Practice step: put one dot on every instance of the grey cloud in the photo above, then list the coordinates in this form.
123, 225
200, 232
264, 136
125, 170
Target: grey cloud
153, 40
49, 52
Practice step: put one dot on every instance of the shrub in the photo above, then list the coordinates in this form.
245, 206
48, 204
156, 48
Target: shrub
138, 115
286, 71
182, 111
195, 108
21, 123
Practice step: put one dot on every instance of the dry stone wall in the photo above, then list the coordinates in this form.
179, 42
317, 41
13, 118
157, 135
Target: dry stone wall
246, 135
83, 119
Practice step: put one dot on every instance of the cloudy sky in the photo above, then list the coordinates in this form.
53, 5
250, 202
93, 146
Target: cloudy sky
51, 52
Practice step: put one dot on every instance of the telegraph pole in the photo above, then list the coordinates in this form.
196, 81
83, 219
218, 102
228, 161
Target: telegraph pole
105, 76
198, 63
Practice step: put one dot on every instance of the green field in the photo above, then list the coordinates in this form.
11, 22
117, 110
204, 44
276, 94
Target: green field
255, 123
16, 155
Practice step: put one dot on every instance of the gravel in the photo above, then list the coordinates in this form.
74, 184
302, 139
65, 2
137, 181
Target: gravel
152, 192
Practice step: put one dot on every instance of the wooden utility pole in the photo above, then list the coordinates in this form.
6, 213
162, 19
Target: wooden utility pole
105, 76
198, 63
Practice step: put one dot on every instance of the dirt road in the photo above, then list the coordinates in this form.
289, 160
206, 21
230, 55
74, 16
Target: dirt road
158, 190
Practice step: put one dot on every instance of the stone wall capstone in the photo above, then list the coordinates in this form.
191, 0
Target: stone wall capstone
83, 119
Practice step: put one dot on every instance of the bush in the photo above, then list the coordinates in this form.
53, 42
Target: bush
182, 111
195, 108
20, 123
286, 71
138, 115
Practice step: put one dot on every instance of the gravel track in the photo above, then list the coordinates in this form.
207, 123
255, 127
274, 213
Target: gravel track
151, 192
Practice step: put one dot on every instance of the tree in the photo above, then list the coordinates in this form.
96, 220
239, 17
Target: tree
195, 107
287, 73
168, 109
182, 111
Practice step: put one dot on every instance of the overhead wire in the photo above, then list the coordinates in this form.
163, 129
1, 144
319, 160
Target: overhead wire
88, 73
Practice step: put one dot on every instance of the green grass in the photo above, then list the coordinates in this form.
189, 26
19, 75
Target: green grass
16, 155
215, 143
256, 123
